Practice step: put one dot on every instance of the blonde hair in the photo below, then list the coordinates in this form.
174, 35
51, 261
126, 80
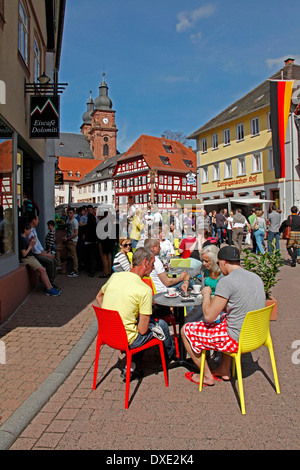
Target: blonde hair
212, 252
122, 240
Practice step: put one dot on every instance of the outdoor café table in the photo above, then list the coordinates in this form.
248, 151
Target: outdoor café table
178, 304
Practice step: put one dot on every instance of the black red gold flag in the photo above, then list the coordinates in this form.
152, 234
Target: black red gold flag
280, 100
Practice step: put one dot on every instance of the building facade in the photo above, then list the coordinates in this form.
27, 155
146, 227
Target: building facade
235, 155
155, 170
30, 48
98, 186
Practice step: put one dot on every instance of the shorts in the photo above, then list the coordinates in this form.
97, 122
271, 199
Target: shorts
210, 336
32, 262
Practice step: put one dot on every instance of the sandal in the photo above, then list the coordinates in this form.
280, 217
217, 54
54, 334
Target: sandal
189, 376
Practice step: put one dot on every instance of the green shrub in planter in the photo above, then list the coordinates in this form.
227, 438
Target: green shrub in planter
266, 266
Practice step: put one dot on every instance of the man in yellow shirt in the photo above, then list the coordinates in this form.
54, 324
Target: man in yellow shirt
132, 298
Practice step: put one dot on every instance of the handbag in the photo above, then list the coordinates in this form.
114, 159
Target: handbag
255, 225
287, 231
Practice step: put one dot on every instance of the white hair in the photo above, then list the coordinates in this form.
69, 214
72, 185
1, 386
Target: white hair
212, 252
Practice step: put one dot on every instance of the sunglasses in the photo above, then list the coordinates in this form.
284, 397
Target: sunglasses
126, 245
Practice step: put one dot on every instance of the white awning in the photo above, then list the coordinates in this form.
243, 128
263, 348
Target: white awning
249, 200
236, 200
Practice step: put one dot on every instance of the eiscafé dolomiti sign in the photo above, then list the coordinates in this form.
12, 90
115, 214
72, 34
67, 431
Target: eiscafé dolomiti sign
44, 117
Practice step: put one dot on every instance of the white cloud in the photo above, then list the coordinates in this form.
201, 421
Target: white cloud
279, 62
195, 38
188, 19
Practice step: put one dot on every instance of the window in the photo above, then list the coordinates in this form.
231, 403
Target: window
241, 166
169, 179
105, 150
37, 61
204, 145
168, 148
214, 141
7, 199
240, 132
269, 120
254, 126
165, 160
228, 169
256, 162
226, 137
23, 33
271, 160
205, 174
216, 172
2, 20
188, 163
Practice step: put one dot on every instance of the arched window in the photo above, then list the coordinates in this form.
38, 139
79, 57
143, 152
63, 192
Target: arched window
105, 150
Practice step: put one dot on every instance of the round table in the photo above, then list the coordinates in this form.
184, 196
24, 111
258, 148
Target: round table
178, 303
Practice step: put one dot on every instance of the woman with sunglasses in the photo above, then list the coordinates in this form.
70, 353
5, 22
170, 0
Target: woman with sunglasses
121, 260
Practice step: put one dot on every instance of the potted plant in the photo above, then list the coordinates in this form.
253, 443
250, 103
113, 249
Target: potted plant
267, 267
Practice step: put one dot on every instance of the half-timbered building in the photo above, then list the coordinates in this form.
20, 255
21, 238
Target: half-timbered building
155, 170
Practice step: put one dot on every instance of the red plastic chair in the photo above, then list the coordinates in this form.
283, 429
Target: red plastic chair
170, 318
111, 331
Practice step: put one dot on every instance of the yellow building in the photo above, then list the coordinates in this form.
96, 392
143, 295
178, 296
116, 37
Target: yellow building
234, 151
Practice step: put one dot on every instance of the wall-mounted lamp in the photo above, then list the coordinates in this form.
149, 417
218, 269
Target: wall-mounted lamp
43, 79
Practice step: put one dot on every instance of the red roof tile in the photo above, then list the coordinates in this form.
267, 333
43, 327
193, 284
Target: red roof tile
83, 165
152, 148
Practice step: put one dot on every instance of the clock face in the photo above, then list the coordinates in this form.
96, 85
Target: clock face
105, 120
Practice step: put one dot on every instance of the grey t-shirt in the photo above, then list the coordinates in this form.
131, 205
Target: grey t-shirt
71, 226
245, 292
274, 218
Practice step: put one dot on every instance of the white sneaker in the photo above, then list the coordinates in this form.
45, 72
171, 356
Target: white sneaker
73, 274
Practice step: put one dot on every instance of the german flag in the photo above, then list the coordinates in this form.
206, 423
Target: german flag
280, 100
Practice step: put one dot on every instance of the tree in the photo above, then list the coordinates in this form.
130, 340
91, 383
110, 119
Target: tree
176, 135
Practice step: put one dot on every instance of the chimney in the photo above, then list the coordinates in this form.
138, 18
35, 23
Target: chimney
289, 61
289, 68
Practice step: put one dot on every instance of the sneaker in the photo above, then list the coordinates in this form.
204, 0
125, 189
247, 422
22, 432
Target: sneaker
53, 292
56, 287
58, 268
73, 274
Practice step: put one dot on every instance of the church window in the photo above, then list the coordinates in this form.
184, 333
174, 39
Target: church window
105, 150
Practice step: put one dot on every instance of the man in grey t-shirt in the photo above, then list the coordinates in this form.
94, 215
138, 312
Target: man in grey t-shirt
273, 222
237, 293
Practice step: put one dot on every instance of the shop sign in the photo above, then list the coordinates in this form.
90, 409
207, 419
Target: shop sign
44, 117
243, 180
191, 180
59, 179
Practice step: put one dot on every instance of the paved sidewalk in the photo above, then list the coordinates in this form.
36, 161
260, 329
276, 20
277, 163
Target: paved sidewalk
47, 401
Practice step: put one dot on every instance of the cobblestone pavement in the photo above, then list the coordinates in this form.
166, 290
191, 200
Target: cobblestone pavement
43, 335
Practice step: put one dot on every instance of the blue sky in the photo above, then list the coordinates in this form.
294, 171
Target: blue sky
170, 64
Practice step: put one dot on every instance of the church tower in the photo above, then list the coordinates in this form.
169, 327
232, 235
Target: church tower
99, 125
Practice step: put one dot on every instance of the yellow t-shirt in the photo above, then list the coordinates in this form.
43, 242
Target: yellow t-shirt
130, 296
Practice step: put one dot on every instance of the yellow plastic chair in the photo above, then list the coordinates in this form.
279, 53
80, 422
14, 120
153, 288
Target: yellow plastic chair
254, 334
180, 263
176, 246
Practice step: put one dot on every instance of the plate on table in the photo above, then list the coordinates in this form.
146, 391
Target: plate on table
196, 293
185, 296
171, 296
